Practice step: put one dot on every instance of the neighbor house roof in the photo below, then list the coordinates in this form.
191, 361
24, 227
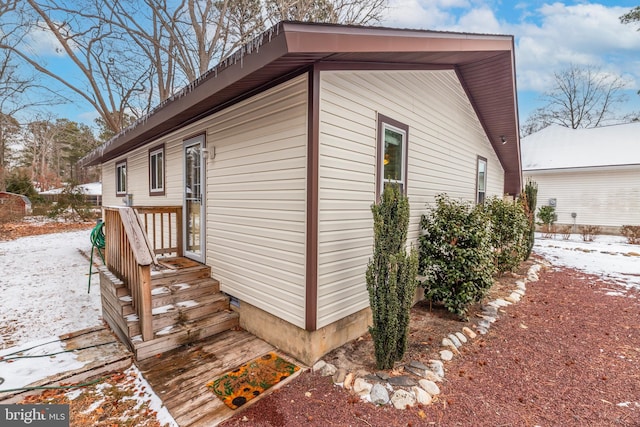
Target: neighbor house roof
559, 147
484, 63
90, 189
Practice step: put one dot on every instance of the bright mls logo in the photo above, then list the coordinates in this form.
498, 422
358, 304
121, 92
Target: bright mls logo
34, 415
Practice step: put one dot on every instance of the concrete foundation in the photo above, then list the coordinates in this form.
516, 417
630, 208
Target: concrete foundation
304, 345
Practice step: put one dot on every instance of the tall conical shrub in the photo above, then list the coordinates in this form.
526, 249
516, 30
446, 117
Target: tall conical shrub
391, 277
529, 199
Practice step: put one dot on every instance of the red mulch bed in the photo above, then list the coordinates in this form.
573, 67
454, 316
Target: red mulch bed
566, 355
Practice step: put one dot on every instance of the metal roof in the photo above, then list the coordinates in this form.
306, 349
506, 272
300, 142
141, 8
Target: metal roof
484, 63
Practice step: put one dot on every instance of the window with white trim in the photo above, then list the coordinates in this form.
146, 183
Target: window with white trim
156, 171
121, 178
392, 153
481, 180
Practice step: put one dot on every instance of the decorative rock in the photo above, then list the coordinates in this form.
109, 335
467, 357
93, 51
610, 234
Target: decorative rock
379, 395
348, 381
490, 319
422, 397
373, 378
461, 337
446, 355
511, 300
516, 296
482, 331
456, 342
430, 387
437, 367
327, 370
383, 375
416, 371
491, 309
484, 324
339, 376
521, 285
501, 302
468, 332
402, 380
318, 365
403, 398
446, 342
432, 376
519, 292
360, 386
417, 364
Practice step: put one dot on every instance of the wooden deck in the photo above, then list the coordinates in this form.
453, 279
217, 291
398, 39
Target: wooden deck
98, 348
186, 303
179, 377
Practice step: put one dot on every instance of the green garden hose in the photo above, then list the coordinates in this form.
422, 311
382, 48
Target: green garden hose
97, 242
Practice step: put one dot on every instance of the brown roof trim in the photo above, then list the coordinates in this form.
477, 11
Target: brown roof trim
485, 65
313, 167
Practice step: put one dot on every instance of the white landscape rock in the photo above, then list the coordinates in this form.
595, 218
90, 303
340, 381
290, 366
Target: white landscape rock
446, 355
422, 396
461, 337
430, 387
446, 342
402, 399
437, 367
361, 386
379, 394
456, 342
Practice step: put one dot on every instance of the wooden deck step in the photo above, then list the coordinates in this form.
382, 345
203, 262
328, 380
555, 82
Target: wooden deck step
178, 335
180, 312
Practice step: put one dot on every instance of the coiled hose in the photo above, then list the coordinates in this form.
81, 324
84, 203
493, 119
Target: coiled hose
97, 242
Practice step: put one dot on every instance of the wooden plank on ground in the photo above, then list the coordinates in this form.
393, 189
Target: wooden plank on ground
97, 348
180, 377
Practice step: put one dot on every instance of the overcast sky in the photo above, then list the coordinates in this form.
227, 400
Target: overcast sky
549, 36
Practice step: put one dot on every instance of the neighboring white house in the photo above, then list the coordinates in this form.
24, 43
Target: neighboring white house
277, 154
591, 176
92, 192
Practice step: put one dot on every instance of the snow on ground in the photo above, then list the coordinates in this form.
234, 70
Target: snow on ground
607, 256
43, 284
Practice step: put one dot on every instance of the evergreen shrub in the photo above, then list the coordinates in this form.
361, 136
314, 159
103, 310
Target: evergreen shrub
391, 277
455, 254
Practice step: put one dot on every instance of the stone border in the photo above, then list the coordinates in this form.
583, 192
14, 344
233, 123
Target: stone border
420, 385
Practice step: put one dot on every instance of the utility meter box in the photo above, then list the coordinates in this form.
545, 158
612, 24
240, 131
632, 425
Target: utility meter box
552, 202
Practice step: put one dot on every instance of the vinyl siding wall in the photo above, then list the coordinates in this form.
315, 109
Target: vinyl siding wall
256, 205
256, 195
445, 138
609, 198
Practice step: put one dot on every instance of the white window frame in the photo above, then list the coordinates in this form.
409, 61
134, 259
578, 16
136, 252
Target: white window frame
481, 161
121, 178
384, 124
154, 154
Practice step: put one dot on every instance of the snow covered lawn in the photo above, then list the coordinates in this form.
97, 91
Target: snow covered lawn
607, 256
44, 283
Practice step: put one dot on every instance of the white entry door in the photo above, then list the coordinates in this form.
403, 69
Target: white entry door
194, 199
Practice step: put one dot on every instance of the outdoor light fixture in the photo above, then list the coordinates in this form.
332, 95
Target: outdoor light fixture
503, 139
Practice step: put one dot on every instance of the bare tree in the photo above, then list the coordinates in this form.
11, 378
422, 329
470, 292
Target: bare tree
581, 97
632, 16
129, 55
112, 77
353, 12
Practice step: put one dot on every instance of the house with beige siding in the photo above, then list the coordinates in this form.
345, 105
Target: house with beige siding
274, 157
591, 176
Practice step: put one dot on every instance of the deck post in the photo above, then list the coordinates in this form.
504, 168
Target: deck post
146, 315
